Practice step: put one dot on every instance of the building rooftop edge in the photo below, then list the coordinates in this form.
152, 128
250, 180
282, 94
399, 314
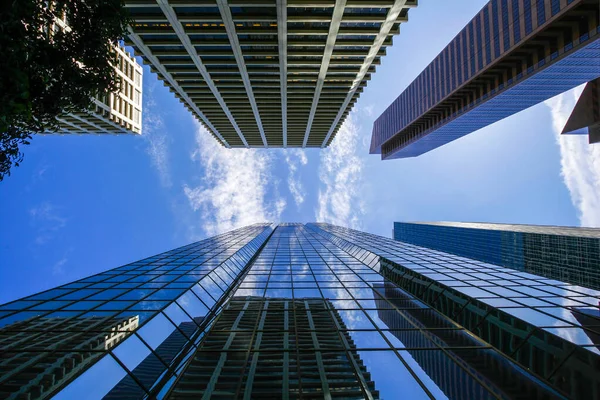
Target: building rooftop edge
523, 228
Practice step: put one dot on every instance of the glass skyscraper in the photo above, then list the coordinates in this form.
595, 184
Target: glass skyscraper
294, 311
567, 254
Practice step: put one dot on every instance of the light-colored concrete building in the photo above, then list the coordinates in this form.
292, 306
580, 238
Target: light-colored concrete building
115, 112
112, 113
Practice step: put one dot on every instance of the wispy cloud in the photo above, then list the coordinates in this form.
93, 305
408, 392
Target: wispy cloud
48, 221
58, 267
340, 173
39, 174
155, 135
295, 158
368, 110
580, 161
236, 189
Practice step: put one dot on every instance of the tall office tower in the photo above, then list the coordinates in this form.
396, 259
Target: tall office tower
512, 55
303, 311
585, 118
112, 112
563, 253
274, 73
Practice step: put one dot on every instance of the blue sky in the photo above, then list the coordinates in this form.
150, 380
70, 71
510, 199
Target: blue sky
79, 205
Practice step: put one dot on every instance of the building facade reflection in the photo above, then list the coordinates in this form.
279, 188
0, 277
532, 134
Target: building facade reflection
155, 365
277, 348
38, 356
466, 368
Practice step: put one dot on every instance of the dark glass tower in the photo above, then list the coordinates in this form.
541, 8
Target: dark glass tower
566, 254
585, 117
512, 55
295, 311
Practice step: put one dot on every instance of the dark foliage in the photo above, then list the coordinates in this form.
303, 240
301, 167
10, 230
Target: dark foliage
45, 72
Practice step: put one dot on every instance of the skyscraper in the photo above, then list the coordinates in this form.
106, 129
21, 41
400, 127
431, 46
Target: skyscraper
512, 55
274, 73
585, 118
563, 253
306, 311
112, 112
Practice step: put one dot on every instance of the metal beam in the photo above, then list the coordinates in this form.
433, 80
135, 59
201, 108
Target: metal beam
239, 58
141, 47
90, 123
254, 31
282, 35
255, 3
336, 19
257, 342
185, 40
217, 371
318, 354
305, 18
113, 123
77, 127
379, 39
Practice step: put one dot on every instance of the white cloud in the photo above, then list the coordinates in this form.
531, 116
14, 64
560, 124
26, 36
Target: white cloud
48, 221
234, 188
293, 158
155, 135
580, 161
369, 110
40, 173
340, 173
58, 267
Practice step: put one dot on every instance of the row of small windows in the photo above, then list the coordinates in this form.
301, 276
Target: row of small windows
436, 82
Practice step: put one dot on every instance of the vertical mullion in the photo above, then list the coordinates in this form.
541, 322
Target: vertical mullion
285, 391
318, 355
256, 351
217, 372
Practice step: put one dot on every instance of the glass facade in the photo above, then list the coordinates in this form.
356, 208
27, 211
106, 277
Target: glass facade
122, 332
562, 253
534, 321
303, 311
512, 55
267, 347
